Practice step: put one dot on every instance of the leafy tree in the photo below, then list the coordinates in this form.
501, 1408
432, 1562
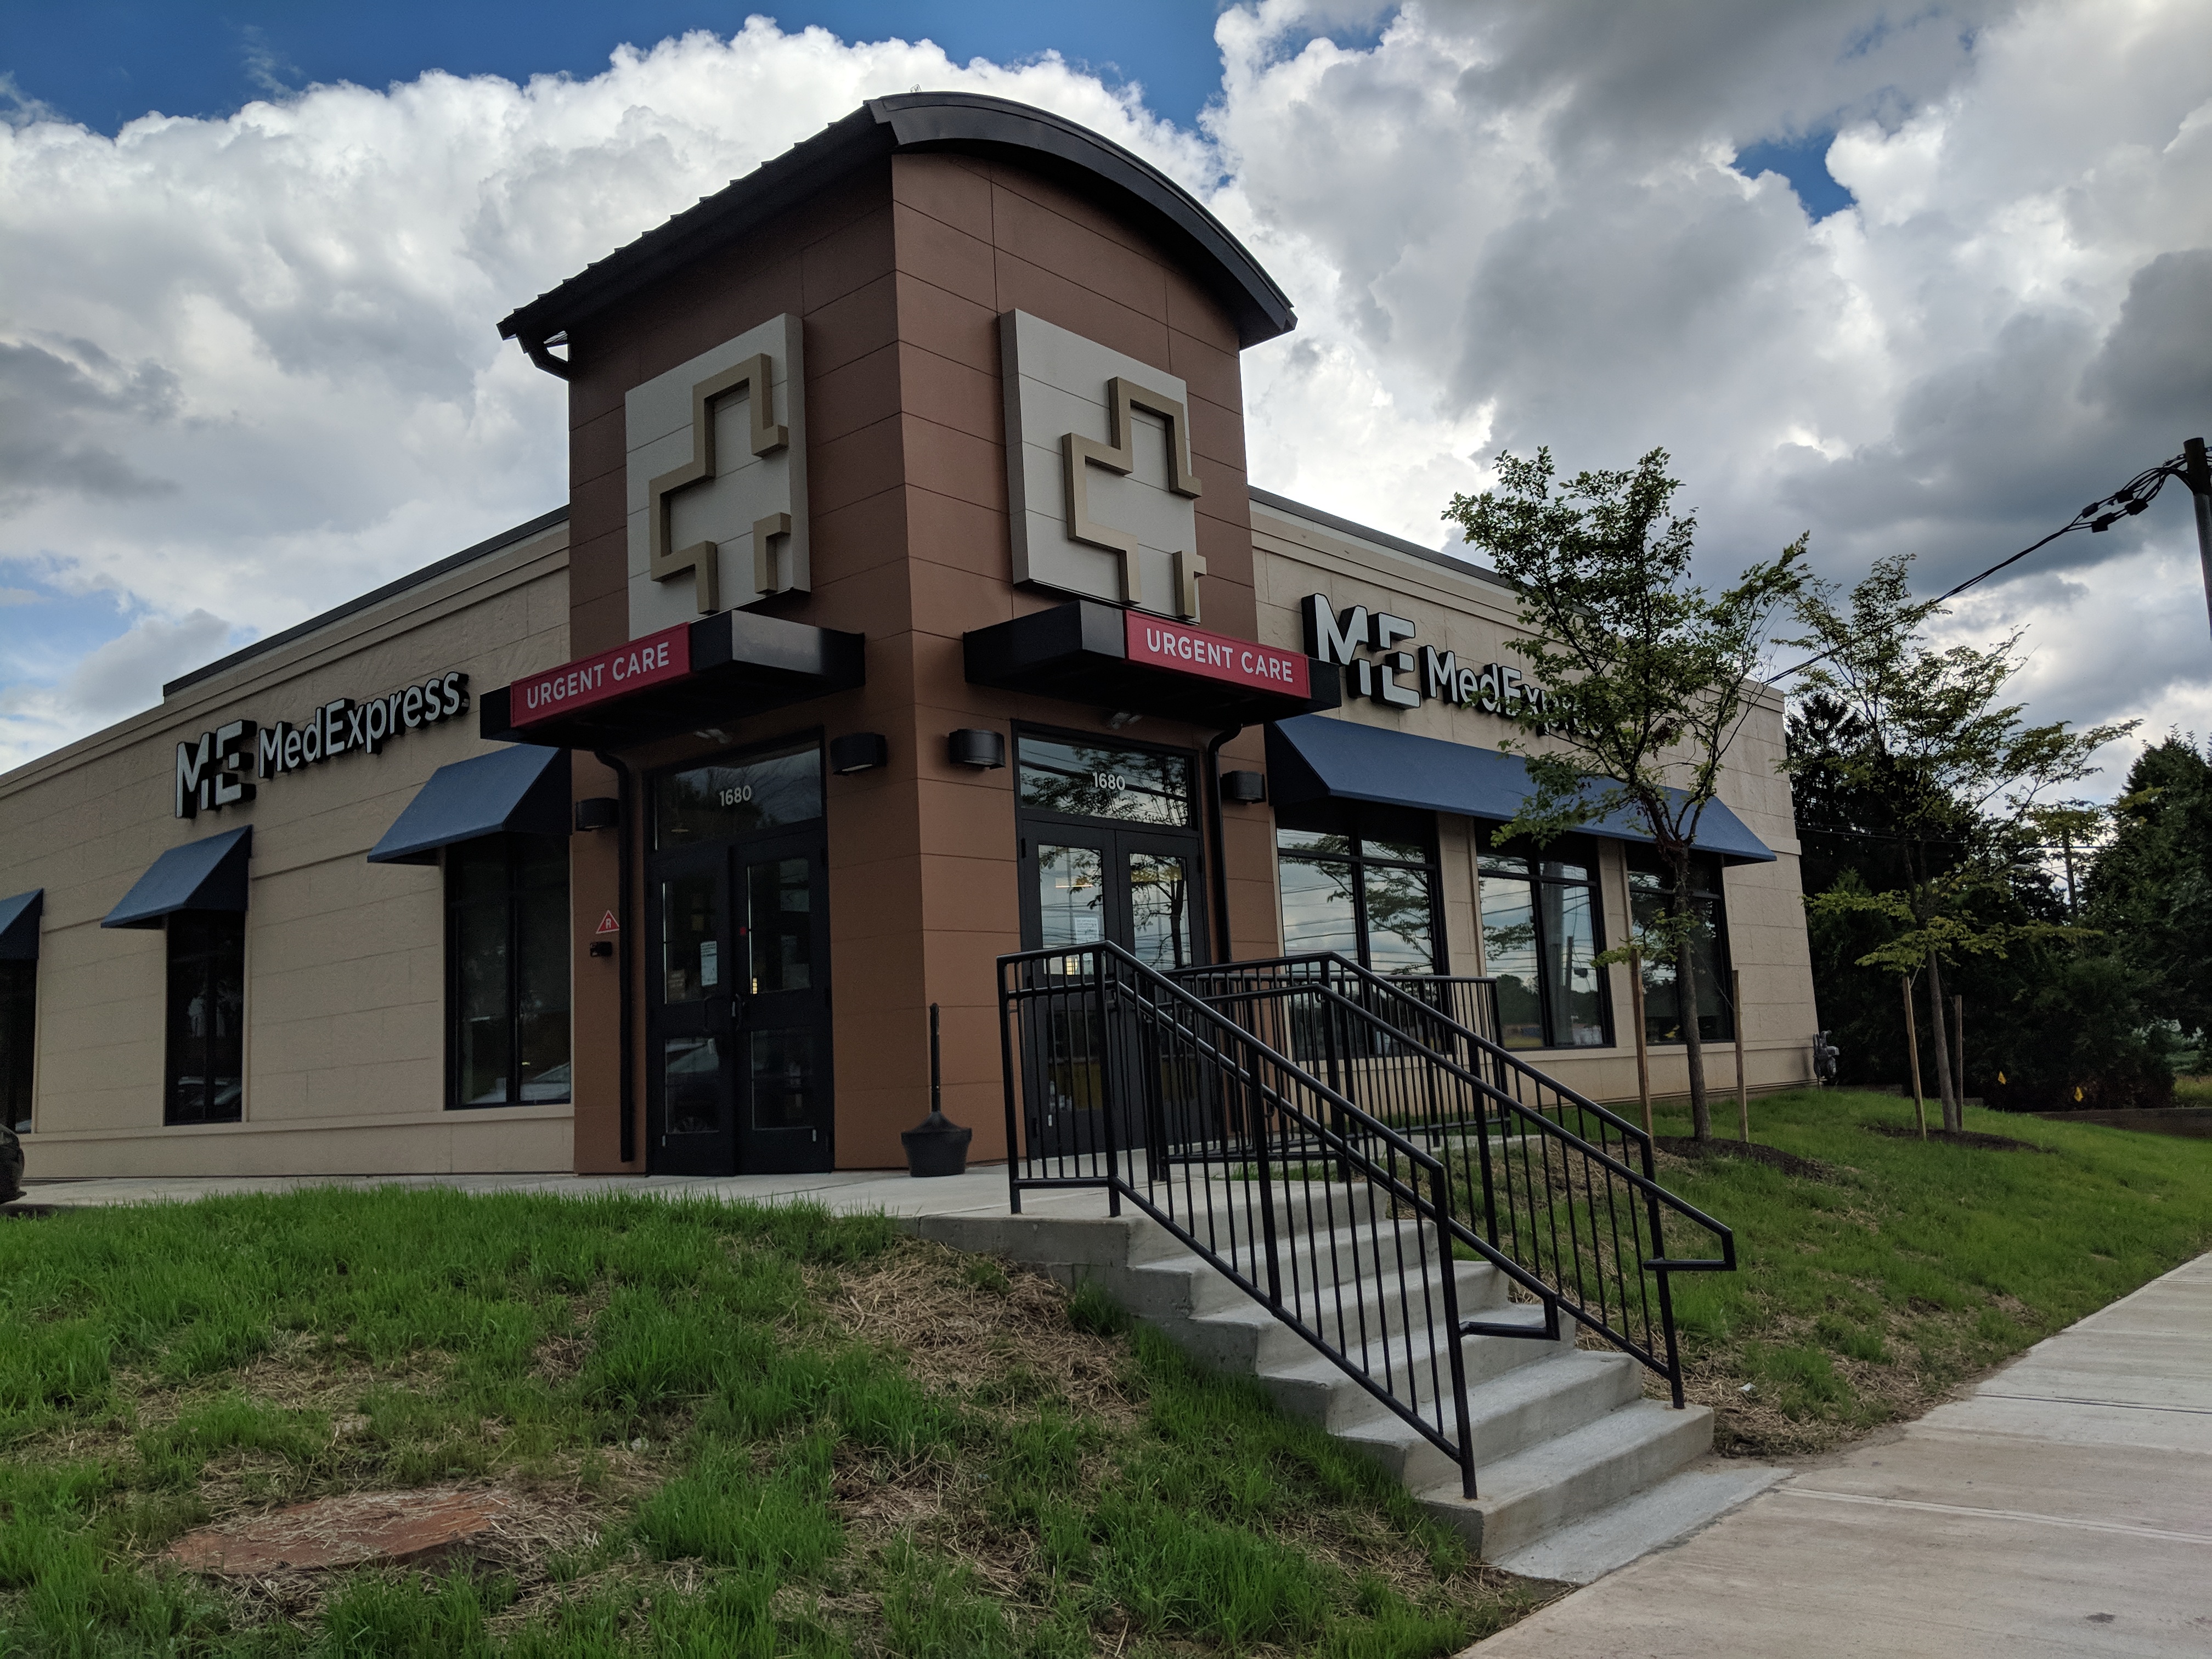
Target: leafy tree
1656, 672
1957, 787
2150, 887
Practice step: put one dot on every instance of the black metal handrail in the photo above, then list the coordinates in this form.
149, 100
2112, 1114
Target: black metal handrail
1334, 1222
1541, 1178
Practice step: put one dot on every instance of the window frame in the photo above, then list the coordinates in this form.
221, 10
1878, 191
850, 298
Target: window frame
1359, 825
515, 891
19, 1043
1587, 850
1193, 802
1644, 861
203, 958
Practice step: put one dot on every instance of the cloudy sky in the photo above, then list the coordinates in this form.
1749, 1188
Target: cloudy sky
1927, 276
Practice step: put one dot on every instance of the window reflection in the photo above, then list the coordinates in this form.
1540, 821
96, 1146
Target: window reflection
1160, 887
1650, 885
1070, 896
713, 803
1372, 898
1539, 931
206, 1047
509, 1004
1094, 780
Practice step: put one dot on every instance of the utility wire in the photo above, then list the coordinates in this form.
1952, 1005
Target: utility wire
2100, 515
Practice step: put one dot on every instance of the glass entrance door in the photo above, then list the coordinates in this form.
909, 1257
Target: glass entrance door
738, 999
1109, 853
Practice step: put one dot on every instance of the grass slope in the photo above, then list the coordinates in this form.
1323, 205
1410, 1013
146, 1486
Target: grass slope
1866, 1293
731, 1431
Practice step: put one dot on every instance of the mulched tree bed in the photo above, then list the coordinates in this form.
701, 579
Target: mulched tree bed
1958, 1138
1774, 1157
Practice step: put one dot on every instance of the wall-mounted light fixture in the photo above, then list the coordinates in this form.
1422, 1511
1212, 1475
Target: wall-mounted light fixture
1244, 788
858, 751
603, 947
598, 812
972, 747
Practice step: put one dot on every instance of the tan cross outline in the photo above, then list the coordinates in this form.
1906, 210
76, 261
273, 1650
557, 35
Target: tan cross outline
1079, 455
756, 374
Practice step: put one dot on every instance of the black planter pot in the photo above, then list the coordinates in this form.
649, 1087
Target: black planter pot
937, 1146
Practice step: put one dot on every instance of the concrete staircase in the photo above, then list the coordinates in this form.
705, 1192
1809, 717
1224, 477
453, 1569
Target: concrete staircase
1562, 1435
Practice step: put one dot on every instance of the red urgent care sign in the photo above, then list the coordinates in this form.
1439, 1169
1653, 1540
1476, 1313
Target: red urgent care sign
1190, 650
657, 657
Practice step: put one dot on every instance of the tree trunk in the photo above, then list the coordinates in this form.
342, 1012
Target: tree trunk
1939, 1028
1685, 992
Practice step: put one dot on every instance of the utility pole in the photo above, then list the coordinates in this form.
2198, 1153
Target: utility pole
2196, 473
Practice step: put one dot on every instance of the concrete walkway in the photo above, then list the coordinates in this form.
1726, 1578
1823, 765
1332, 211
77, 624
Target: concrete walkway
2063, 1507
892, 1191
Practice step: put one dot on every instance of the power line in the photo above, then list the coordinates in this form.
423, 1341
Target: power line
2100, 515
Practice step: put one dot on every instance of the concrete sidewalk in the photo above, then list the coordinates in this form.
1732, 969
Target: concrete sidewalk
2062, 1508
892, 1191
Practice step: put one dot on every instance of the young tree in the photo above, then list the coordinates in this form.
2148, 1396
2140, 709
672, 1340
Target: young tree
1657, 673
1959, 785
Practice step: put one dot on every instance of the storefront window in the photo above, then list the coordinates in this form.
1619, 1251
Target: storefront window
507, 922
1367, 890
732, 797
206, 1049
1094, 780
1650, 883
1540, 926
19, 1029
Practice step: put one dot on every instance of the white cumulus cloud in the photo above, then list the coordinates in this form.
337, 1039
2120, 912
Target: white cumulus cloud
247, 365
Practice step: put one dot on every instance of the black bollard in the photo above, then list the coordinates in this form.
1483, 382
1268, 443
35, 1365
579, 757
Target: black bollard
936, 1146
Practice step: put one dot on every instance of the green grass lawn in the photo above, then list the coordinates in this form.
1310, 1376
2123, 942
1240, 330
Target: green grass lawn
1865, 1294
729, 1432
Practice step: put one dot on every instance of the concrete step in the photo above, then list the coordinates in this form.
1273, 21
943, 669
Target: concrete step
1519, 1498
1506, 1414
1583, 1551
1565, 1445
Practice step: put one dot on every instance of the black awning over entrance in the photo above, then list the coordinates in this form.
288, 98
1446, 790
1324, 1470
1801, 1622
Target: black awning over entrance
693, 677
1126, 661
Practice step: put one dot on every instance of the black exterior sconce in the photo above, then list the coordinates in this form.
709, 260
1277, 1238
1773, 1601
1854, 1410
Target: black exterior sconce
972, 747
1244, 788
858, 751
598, 812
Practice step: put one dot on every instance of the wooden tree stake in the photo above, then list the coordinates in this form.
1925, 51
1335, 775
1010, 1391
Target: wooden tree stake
1643, 1053
1912, 1054
1742, 1085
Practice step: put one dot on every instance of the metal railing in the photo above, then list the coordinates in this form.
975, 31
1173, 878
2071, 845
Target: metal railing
1337, 1224
1540, 1178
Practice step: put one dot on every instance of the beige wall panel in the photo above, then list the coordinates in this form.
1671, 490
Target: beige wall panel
345, 959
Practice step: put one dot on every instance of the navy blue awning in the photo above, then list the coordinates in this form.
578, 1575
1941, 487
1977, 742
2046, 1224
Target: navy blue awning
201, 875
19, 926
521, 788
1317, 758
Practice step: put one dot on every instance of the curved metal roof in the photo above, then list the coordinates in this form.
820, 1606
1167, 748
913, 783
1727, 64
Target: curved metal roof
969, 123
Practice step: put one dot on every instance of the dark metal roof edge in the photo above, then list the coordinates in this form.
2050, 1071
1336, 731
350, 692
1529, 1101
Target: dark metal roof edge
1395, 544
452, 562
883, 126
727, 213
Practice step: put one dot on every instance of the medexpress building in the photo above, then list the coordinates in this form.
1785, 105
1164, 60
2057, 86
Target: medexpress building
909, 607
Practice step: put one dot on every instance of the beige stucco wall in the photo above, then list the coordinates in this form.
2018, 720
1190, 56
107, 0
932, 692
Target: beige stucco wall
345, 960
1475, 619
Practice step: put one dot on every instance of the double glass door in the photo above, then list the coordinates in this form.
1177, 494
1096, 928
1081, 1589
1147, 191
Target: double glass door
1110, 853
738, 998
